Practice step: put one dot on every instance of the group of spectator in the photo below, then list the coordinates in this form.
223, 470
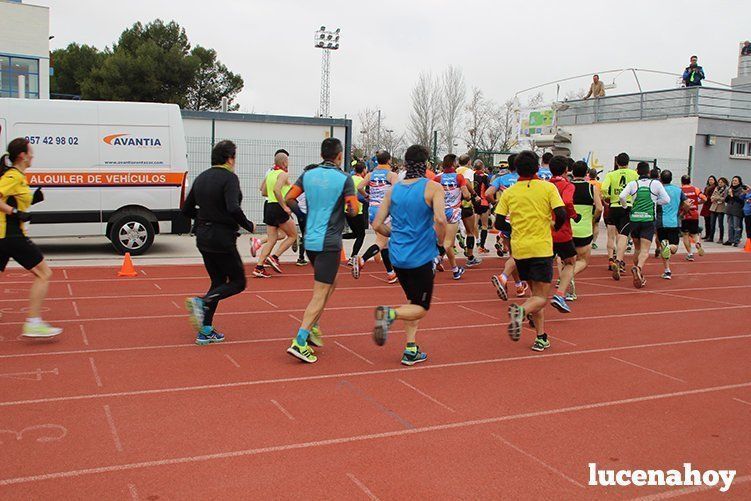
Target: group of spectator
726, 200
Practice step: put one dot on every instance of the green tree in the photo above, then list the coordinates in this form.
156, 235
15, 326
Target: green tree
150, 63
212, 82
73, 65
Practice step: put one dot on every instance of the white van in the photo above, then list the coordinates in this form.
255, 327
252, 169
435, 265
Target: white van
107, 168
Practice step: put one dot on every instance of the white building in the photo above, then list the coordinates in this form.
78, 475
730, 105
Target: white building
700, 130
24, 50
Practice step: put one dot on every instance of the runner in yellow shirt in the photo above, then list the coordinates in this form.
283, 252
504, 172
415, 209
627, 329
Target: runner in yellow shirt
617, 219
529, 205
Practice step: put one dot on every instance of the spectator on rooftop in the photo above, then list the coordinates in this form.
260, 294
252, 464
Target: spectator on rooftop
597, 89
693, 74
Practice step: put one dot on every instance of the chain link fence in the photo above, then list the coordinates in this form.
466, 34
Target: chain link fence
254, 158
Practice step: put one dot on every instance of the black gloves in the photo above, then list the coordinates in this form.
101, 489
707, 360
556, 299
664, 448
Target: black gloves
22, 216
38, 196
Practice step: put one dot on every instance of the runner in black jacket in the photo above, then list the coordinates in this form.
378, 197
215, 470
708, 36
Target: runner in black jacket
214, 203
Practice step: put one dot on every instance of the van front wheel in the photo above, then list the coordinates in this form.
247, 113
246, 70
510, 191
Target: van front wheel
131, 233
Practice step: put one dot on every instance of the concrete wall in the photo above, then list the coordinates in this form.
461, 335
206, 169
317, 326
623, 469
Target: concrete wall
257, 138
666, 140
24, 32
715, 160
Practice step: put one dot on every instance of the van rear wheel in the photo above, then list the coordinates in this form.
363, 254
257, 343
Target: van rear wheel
131, 233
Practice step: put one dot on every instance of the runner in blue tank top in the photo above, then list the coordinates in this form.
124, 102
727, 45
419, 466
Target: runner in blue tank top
416, 206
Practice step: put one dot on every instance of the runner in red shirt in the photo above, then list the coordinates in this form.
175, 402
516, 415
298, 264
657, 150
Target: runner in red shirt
690, 222
563, 239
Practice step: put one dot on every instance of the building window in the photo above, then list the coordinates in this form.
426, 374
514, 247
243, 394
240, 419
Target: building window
740, 148
10, 68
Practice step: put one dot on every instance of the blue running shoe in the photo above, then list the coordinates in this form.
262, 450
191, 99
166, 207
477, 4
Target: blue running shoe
384, 317
559, 303
458, 273
413, 357
209, 337
195, 307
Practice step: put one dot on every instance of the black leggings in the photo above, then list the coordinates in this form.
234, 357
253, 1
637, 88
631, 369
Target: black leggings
358, 225
747, 219
227, 279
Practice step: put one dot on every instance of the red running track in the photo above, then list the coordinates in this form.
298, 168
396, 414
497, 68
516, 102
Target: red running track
124, 406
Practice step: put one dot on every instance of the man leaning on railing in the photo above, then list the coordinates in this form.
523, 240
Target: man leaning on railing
746, 49
693, 74
597, 89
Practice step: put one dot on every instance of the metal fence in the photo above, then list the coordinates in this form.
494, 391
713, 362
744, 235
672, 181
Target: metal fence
684, 102
254, 158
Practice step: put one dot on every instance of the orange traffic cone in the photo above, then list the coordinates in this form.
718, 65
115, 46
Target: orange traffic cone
127, 269
343, 257
747, 248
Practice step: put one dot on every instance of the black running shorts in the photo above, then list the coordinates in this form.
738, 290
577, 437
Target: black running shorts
690, 226
325, 265
536, 269
642, 229
564, 250
672, 235
417, 284
274, 215
618, 217
582, 241
21, 250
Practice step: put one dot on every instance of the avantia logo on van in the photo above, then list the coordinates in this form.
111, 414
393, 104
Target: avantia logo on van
129, 140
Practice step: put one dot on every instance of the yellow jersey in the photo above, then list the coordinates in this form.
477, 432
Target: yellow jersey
13, 185
529, 206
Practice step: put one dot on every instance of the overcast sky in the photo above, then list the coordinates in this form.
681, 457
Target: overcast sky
503, 47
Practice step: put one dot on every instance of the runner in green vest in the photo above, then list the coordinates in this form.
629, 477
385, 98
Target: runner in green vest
588, 204
276, 216
647, 195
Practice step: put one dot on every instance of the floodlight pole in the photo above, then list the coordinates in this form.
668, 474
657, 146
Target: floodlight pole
326, 41
325, 86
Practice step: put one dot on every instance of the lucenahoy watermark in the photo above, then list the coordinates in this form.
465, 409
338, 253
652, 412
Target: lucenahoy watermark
640, 478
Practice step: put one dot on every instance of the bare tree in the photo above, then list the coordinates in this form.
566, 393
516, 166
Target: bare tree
367, 137
536, 100
453, 97
476, 119
500, 132
426, 108
393, 142
575, 94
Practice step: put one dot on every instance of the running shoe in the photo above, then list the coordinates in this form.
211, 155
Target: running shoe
594, 246
657, 252
667, 275
473, 261
522, 288
571, 292
255, 246
516, 318
413, 357
40, 330
383, 320
499, 247
295, 245
274, 263
356, 262
665, 249
438, 263
500, 286
460, 239
261, 273
619, 268
196, 309
458, 273
482, 250
316, 336
301, 262
689, 257
611, 263
541, 344
630, 246
559, 303
699, 249
639, 280
391, 278
303, 353
206, 338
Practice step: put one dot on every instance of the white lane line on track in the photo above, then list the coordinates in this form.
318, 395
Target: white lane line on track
362, 438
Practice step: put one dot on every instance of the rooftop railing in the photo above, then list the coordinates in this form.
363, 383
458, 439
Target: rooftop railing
684, 102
